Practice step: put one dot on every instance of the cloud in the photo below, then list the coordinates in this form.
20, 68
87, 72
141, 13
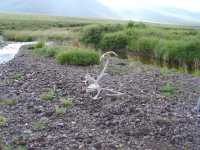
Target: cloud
122, 5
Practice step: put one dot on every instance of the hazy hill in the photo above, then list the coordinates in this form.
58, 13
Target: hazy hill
93, 8
88, 8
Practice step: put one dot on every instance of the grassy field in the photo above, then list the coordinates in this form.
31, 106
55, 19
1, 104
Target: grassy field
165, 44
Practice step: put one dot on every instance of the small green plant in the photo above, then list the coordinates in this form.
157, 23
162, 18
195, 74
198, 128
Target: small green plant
60, 110
66, 102
78, 56
39, 125
40, 44
7, 101
48, 96
16, 77
3, 120
167, 89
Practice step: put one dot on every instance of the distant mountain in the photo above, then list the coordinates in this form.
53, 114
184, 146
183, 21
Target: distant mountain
94, 8
87, 8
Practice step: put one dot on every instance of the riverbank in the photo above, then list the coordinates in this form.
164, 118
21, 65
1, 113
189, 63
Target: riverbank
145, 118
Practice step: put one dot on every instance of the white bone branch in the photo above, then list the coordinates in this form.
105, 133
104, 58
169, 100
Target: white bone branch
94, 84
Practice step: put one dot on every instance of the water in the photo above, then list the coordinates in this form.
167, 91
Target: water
9, 51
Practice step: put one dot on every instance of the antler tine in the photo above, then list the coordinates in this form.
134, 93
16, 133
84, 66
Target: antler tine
108, 54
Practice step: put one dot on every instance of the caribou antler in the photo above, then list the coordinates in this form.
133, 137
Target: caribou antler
94, 85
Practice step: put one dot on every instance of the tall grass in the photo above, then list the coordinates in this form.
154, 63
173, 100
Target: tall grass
178, 46
27, 35
78, 56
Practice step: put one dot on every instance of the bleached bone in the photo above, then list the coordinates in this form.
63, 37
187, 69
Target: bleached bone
94, 85
198, 105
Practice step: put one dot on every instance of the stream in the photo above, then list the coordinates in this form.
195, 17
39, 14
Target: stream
10, 49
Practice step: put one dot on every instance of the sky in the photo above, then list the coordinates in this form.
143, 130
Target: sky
182, 11
123, 5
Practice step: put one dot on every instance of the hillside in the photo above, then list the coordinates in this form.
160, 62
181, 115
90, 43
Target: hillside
87, 8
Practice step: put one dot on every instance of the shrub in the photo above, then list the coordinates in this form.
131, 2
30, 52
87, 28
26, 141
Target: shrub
130, 24
133, 37
92, 34
78, 56
166, 50
179, 51
114, 41
112, 28
190, 50
140, 25
146, 45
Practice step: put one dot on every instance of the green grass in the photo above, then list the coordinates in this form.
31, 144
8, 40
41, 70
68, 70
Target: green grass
48, 95
167, 89
78, 56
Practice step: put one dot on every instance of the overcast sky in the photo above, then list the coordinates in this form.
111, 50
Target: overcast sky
122, 5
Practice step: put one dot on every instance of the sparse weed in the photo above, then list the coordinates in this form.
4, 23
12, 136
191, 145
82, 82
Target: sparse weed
16, 77
3, 120
167, 89
48, 96
39, 125
66, 102
7, 101
60, 110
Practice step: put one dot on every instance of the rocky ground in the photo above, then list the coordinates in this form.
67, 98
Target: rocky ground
143, 119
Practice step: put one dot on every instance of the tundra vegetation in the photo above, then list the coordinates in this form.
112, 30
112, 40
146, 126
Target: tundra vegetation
174, 46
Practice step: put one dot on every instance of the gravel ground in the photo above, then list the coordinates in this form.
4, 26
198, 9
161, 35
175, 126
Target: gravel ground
143, 119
